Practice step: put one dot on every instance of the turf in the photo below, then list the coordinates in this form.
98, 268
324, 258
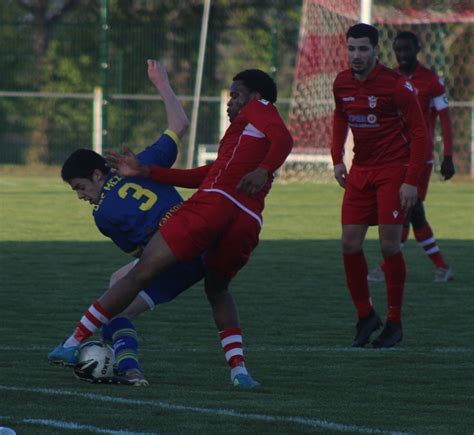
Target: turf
296, 314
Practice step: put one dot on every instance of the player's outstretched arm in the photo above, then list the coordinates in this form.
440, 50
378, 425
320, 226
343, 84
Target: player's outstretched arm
177, 120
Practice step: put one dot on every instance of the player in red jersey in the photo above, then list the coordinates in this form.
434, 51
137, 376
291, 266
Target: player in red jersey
432, 97
223, 218
390, 140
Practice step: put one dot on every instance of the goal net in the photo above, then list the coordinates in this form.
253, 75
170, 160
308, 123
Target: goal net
445, 32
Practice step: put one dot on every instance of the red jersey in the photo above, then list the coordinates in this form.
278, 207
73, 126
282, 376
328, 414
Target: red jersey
385, 118
256, 138
432, 97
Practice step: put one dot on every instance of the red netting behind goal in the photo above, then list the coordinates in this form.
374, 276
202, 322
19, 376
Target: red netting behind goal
445, 32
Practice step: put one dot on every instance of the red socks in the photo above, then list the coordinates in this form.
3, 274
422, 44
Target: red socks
395, 273
356, 269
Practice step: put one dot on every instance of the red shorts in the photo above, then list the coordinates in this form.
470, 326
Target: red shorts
424, 181
372, 197
211, 223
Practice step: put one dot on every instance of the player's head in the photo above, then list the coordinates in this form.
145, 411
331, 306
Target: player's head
406, 47
362, 45
85, 171
248, 85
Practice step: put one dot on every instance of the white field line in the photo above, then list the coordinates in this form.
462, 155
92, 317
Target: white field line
311, 422
270, 349
70, 425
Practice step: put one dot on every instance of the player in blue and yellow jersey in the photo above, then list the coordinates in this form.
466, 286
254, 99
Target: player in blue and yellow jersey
129, 210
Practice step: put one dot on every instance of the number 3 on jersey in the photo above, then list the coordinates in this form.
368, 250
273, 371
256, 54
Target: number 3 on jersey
139, 192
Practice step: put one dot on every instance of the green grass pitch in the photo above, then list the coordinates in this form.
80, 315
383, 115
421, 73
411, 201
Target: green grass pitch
297, 319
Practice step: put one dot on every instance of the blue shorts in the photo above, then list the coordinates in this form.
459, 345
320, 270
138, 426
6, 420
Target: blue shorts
173, 281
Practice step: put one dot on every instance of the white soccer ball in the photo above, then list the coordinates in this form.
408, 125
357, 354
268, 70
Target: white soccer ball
95, 362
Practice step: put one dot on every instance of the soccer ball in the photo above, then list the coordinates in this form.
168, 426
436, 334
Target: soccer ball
95, 362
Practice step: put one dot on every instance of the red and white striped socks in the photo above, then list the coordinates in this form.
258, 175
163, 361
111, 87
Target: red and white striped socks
426, 240
231, 340
93, 319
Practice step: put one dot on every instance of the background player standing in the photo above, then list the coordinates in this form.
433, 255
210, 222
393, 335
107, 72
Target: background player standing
433, 101
390, 141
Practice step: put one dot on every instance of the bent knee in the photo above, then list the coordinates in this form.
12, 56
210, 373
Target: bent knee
350, 246
389, 247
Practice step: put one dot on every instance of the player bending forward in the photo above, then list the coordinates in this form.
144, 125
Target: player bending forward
129, 210
222, 219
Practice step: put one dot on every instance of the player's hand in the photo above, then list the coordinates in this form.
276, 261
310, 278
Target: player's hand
253, 182
157, 73
408, 196
127, 164
340, 173
447, 167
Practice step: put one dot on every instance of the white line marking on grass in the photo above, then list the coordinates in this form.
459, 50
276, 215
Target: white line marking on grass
311, 422
71, 425
270, 349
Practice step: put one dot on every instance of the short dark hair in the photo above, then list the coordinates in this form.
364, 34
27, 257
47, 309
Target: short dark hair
82, 163
259, 81
410, 36
363, 30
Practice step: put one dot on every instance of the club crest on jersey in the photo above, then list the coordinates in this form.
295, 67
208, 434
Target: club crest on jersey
372, 101
409, 86
395, 213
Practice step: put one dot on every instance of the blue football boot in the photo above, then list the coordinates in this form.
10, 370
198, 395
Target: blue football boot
64, 356
244, 381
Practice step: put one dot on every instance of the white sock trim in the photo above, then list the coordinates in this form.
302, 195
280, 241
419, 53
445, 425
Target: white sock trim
71, 341
426, 242
231, 339
233, 352
237, 371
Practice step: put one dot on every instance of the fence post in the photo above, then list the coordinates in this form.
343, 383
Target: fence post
104, 67
97, 104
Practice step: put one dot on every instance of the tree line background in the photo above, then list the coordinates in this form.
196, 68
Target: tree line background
53, 46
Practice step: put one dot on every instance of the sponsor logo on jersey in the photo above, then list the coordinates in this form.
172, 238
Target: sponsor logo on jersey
395, 213
409, 86
363, 121
372, 101
348, 98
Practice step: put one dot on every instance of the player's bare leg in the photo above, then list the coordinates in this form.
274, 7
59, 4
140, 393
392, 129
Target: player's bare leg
226, 317
395, 273
223, 306
355, 266
156, 257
